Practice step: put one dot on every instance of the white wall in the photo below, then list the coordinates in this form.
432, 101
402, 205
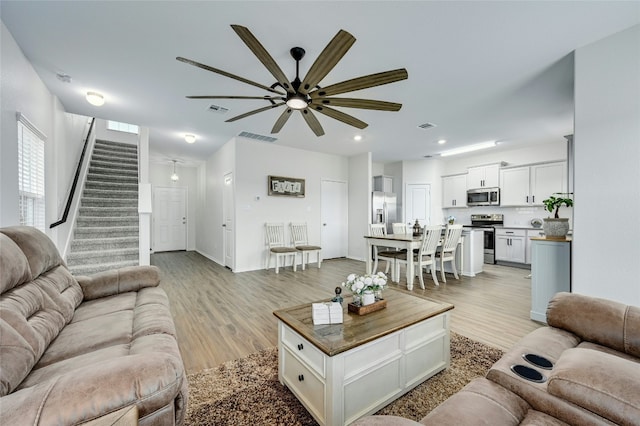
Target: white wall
257, 160
607, 168
24, 92
160, 176
360, 188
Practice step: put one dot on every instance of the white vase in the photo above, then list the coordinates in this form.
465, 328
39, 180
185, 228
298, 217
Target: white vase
368, 298
556, 228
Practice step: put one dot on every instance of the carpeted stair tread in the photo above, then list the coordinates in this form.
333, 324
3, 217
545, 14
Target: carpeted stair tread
94, 269
106, 234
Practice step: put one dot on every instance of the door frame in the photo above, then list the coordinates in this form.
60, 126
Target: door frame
322, 219
186, 214
225, 220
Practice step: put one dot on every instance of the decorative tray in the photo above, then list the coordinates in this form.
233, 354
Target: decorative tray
363, 310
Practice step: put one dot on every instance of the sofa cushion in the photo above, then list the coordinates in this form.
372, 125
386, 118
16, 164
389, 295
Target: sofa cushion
600, 382
39, 250
601, 321
13, 264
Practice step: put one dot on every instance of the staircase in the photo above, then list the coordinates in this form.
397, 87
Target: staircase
106, 229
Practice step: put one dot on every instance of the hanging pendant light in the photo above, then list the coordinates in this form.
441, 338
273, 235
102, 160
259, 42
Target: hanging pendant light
174, 176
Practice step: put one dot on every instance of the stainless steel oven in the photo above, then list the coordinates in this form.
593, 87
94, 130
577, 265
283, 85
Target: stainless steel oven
487, 222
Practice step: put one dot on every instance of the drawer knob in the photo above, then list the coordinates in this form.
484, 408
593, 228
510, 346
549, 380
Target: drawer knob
300, 347
300, 377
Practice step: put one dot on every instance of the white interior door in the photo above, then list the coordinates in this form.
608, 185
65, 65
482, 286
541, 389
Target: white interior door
169, 218
418, 204
334, 218
228, 223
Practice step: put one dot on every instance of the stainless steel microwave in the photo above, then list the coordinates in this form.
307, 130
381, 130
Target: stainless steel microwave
483, 197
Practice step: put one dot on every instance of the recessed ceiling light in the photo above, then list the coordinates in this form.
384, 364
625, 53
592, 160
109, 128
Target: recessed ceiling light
442, 141
190, 138
357, 138
95, 98
468, 148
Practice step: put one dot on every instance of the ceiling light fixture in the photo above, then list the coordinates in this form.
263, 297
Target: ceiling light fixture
189, 138
95, 98
174, 176
297, 102
357, 138
442, 141
468, 148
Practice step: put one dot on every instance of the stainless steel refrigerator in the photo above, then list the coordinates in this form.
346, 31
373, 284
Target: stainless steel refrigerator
385, 209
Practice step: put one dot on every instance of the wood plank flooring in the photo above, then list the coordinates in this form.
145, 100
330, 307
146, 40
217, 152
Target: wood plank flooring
221, 316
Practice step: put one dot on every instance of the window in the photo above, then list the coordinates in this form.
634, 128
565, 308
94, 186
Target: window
122, 127
31, 197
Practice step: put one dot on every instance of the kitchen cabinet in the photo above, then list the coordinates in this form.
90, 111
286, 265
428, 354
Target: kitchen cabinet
454, 191
383, 183
511, 245
483, 176
529, 185
550, 273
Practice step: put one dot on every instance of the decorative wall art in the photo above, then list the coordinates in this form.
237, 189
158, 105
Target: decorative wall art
286, 186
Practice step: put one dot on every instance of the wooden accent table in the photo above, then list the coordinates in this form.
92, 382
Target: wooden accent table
342, 372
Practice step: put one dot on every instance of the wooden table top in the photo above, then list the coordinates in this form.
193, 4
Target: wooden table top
403, 310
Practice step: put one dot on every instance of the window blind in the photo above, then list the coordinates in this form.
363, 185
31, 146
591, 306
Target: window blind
31, 191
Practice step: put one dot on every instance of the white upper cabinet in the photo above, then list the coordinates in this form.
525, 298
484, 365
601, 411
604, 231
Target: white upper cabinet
483, 176
529, 185
454, 191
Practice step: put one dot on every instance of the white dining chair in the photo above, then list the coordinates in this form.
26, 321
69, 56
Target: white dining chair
448, 251
381, 253
426, 255
300, 242
276, 246
399, 228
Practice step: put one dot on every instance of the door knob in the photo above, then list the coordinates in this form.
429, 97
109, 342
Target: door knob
224, 225
324, 224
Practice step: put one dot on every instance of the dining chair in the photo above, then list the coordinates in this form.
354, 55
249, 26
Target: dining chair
399, 228
388, 255
277, 247
447, 253
300, 241
426, 255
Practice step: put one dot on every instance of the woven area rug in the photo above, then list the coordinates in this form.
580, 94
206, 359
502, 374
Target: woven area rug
247, 391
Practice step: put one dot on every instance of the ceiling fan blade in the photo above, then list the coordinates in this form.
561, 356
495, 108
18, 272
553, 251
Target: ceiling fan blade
364, 82
261, 53
341, 116
357, 103
226, 74
255, 111
327, 59
281, 120
312, 121
266, 98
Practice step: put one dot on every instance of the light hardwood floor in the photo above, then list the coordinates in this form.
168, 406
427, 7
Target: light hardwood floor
221, 315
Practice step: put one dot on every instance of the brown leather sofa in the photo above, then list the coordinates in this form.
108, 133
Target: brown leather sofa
83, 350
594, 347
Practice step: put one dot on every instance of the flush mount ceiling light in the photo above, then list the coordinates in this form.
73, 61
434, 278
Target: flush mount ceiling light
468, 148
190, 138
174, 176
95, 98
357, 138
442, 141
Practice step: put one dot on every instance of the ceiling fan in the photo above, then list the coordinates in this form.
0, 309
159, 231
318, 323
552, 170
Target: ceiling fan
306, 95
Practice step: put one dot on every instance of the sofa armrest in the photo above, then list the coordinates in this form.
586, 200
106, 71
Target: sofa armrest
116, 281
602, 383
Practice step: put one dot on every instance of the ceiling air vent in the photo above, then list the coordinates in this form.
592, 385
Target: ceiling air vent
257, 137
218, 109
426, 125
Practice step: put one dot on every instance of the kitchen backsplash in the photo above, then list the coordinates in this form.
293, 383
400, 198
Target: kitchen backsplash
513, 216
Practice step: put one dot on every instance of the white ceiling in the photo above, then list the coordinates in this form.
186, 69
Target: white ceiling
479, 70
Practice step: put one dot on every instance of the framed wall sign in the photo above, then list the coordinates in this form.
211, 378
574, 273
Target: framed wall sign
286, 186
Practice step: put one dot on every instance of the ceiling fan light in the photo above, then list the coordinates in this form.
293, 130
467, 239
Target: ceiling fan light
190, 138
297, 102
95, 98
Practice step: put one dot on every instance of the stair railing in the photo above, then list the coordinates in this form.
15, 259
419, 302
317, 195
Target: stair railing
75, 178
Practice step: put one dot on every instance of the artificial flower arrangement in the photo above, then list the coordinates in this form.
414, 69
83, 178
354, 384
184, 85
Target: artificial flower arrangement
358, 284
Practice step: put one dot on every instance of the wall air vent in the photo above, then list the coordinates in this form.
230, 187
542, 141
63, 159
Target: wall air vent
426, 125
218, 109
257, 137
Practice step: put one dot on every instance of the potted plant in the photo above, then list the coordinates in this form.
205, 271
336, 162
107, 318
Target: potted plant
556, 227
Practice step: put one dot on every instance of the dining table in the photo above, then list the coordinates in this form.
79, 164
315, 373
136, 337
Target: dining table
407, 242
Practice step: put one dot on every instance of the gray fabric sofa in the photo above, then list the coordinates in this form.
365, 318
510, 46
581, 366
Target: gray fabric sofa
76, 350
594, 347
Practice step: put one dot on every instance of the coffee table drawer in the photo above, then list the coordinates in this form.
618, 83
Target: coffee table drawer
425, 331
311, 355
304, 384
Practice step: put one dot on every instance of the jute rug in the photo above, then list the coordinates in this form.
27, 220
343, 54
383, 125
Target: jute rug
247, 391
